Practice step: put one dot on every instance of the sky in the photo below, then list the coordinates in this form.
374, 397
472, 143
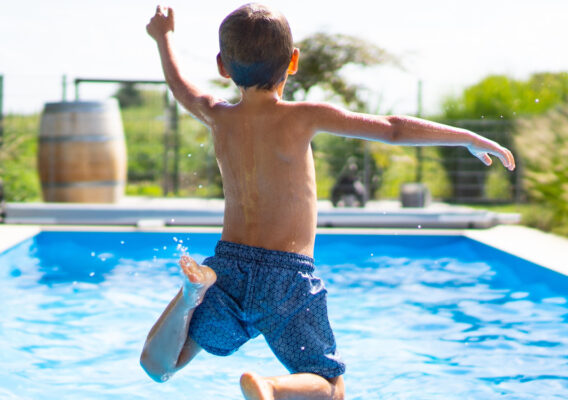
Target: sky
446, 44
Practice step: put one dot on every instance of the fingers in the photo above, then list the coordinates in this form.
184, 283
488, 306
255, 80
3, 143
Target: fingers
511, 160
507, 159
171, 17
485, 159
165, 11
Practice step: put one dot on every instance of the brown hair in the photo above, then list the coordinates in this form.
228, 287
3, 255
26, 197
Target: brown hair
256, 46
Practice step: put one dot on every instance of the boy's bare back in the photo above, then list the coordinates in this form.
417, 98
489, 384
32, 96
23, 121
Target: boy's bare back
263, 149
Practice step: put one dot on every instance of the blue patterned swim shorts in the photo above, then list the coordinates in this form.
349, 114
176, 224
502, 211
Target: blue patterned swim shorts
269, 292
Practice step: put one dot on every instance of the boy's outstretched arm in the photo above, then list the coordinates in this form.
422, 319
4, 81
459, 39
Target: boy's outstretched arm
407, 131
161, 27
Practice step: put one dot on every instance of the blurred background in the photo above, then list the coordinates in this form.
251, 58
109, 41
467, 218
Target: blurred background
494, 67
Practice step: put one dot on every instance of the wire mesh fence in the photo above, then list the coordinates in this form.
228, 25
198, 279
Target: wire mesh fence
171, 154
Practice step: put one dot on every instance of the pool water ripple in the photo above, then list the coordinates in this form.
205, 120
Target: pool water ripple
414, 318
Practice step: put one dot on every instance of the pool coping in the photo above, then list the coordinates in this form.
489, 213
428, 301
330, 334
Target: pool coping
544, 249
137, 211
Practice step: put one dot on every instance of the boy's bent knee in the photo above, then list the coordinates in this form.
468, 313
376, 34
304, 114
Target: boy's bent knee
338, 387
154, 371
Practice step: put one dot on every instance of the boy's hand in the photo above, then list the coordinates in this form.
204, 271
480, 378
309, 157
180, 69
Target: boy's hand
485, 147
161, 23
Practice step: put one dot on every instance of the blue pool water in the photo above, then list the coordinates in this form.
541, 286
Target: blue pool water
415, 317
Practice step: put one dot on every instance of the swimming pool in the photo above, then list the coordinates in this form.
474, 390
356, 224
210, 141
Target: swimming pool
415, 317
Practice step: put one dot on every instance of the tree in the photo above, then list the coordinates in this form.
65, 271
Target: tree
322, 58
501, 97
129, 96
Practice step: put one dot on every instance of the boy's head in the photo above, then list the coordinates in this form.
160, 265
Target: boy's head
256, 46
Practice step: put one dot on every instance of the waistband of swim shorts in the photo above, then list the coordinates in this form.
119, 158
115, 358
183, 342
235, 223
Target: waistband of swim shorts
280, 259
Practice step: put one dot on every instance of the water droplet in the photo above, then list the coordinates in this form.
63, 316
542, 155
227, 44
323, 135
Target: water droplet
372, 254
92, 254
483, 116
92, 274
165, 247
200, 186
303, 348
122, 242
172, 220
201, 145
103, 259
537, 100
189, 155
175, 239
419, 226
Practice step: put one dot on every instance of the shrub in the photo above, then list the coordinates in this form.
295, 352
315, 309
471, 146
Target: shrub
18, 158
541, 142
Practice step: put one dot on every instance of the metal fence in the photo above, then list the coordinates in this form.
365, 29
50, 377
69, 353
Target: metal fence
169, 154
469, 179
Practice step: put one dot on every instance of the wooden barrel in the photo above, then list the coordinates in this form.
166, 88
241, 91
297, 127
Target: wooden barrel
82, 153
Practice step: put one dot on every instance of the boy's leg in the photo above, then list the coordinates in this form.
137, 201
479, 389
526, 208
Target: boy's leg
168, 347
295, 386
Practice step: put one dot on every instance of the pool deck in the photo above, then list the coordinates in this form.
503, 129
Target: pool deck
24, 220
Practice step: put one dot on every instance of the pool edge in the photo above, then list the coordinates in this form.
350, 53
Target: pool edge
11, 235
544, 249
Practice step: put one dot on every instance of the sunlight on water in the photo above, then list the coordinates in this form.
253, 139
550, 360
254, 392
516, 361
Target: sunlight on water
437, 320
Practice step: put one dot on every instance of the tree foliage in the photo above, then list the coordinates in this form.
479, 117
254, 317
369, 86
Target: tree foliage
501, 97
128, 95
322, 58
541, 142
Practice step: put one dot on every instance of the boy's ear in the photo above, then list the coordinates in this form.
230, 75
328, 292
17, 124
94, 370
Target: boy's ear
293, 67
221, 67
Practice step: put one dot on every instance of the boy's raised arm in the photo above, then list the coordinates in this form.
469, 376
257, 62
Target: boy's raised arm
407, 131
160, 28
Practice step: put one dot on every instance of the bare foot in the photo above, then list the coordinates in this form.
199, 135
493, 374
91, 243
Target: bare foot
198, 274
255, 387
199, 279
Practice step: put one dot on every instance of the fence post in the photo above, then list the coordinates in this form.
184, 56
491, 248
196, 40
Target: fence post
1, 110
165, 173
1, 143
174, 129
64, 88
419, 157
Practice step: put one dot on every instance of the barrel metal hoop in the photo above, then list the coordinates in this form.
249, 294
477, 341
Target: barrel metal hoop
91, 107
63, 185
81, 138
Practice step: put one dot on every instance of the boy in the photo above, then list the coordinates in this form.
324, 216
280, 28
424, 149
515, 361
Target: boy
260, 278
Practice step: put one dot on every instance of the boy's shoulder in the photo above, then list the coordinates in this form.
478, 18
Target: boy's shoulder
299, 108
298, 116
